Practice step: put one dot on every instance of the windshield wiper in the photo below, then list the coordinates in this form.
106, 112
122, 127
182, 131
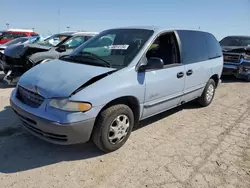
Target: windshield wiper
78, 59
96, 57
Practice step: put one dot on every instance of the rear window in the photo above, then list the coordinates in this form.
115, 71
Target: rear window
213, 46
194, 46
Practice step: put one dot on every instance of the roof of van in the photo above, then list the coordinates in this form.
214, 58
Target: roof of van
156, 28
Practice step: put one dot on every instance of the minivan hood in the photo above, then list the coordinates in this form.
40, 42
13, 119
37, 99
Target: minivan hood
59, 78
16, 50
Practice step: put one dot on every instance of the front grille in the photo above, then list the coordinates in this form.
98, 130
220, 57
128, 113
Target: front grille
233, 58
29, 98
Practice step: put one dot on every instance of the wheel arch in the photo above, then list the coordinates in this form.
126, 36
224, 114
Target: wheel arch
216, 79
131, 101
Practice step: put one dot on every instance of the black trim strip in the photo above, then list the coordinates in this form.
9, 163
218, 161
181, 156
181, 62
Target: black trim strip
163, 101
215, 57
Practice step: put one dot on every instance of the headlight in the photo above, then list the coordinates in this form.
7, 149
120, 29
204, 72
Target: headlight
66, 105
246, 57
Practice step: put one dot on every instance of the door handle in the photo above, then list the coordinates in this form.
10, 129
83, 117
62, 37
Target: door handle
180, 74
189, 72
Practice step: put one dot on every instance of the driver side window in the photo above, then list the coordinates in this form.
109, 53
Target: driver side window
166, 48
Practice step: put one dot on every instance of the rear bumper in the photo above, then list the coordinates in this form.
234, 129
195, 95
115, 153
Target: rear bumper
54, 132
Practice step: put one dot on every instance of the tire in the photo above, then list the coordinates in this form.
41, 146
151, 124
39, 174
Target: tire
204, 100
107, 119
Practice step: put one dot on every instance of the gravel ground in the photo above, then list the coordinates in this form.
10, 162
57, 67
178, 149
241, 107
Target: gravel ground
183, 148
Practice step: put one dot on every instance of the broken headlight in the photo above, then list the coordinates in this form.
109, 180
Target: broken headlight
71, 106
246, 56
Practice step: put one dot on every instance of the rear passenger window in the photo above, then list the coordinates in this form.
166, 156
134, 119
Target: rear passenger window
213, 46
194, 47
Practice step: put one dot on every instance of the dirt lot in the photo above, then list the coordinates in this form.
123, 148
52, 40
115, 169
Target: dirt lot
186, 147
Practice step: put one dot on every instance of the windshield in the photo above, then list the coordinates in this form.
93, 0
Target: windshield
113, 48
52, 41
235, 41
16, 41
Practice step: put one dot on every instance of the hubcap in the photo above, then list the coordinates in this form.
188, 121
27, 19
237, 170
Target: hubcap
210, 93
118, 129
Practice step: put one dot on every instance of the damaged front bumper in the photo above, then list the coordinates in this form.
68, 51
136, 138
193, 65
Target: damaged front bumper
240, 70
13, 69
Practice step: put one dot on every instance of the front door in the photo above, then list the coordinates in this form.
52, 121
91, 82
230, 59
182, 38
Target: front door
164, 89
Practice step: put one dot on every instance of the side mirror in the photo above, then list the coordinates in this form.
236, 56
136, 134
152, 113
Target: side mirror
61, 48
152, 63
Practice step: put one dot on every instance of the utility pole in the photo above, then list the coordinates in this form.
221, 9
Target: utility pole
59, 24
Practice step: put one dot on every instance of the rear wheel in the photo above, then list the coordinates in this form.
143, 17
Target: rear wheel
208, 93
113, 127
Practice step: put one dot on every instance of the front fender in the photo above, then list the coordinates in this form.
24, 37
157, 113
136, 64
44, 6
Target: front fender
125, 82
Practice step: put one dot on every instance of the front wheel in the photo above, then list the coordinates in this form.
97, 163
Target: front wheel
113, 127
208, 94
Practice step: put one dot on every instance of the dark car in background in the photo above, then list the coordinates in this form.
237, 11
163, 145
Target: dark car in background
18, 59
236, 53
16, 41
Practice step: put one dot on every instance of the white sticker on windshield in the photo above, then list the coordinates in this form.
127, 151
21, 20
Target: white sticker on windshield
119, 47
